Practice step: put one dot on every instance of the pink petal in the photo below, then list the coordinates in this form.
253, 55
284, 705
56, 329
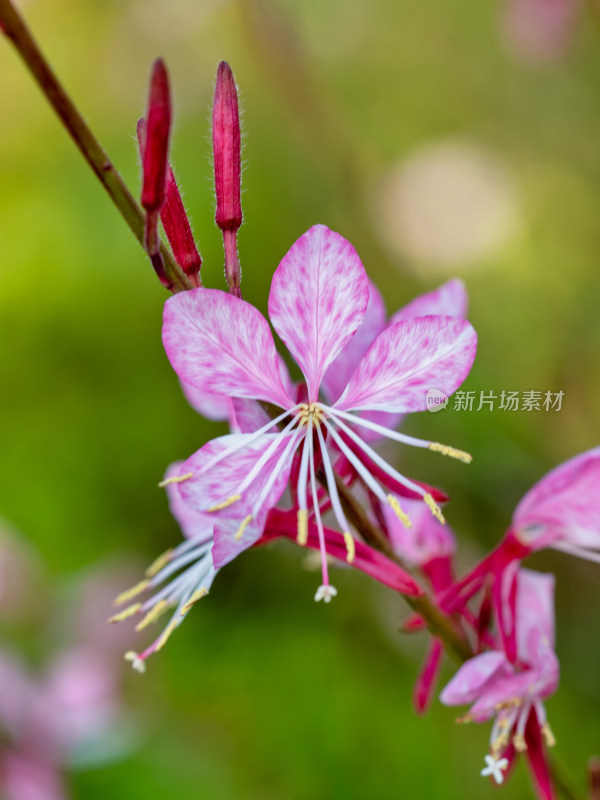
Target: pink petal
426, 540
283, 524
193, 524
248, 415
25, 777
228, 546
339, 372
503, 688
535, 614
222, 345
564, 505
318, 299
214, 485
212, 406
504, 597
407, 360
472, 677
449, 300
425, 685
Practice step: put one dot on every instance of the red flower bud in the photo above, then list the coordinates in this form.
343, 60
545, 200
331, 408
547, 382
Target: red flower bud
177, 227
227, 150
157, 138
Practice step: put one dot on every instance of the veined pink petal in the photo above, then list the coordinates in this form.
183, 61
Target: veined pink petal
407, 360
339, 372
473, 676
248, 415
449, 300
222, 345
212, 406
214, 484
318, 299
283, 524
565, 504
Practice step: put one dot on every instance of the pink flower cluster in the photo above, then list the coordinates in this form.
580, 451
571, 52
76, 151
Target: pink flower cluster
301, 461
67, 712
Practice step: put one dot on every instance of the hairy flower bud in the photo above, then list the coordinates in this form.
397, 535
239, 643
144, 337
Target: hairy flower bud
227, 150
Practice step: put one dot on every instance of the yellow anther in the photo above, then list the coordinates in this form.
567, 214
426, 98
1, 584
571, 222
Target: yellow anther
175, 479
156, 566
464, 719
446, 450
312, 411
402, 515
225, 504
198, 595
350, 546
302, 535
136, 662
244, 524
135, 590
548, 735
166, 634
154, 613
434, 508
519, 743
127, 612
500, 743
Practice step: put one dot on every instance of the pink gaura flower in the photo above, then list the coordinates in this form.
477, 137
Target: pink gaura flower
562, 511
176, 580
318, 301
513, 693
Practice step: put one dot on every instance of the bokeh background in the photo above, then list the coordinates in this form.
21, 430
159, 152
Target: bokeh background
443, 139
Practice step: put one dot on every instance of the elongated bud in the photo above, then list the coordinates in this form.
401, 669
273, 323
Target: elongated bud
227, 150
179, 233
175, 219
228, 170
158, 125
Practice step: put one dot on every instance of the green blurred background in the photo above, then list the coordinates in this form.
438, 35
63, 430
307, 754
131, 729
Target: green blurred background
419, 133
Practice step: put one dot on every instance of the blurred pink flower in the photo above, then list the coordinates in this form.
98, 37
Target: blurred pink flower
513, 693
49, 718
540, 30
562, 511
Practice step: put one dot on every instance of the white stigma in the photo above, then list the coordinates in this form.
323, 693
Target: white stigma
137, 663
495, 767
325, 592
